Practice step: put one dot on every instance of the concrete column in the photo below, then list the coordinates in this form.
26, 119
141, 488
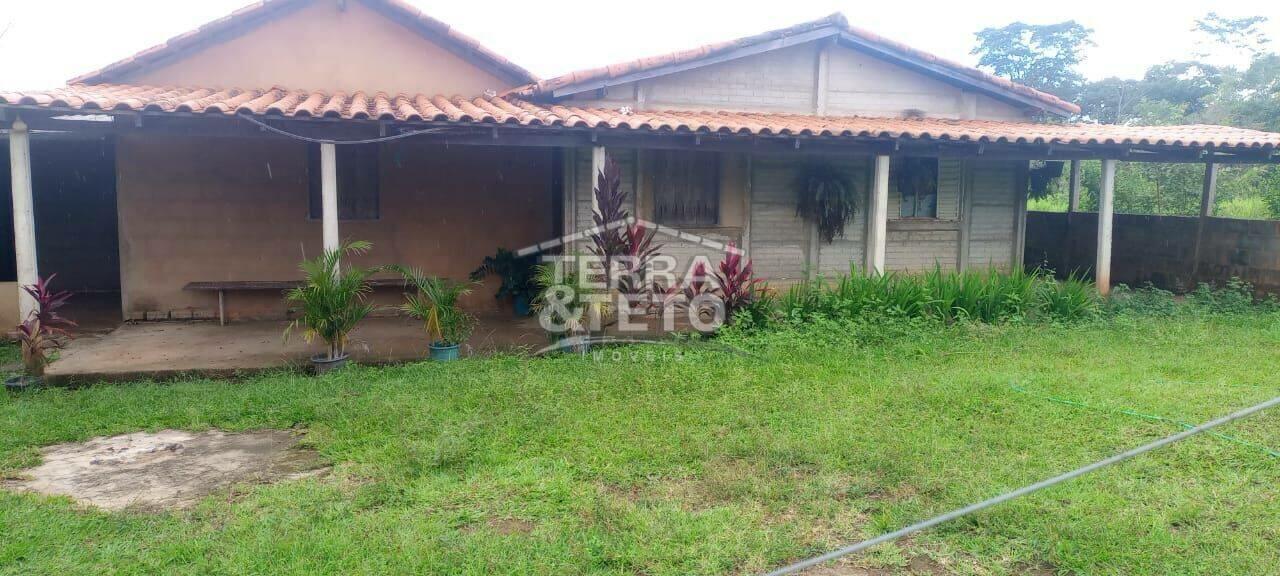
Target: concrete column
1102, 271
598, 156
878, 217
24, 221
329, 195
1207, 196
1073, 192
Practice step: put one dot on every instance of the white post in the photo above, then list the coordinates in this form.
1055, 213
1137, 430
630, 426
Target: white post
24, 222
878, 217
329, 195
1102, 272
597, 166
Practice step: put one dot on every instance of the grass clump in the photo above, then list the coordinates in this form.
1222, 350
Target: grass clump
991, 296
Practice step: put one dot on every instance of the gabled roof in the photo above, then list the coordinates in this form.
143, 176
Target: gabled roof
247, 18
513, 111
835, 25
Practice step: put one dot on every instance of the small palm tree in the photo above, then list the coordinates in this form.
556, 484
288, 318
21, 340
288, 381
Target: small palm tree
333, 298
435, 302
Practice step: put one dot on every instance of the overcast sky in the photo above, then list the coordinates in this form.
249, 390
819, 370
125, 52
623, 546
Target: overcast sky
48, 42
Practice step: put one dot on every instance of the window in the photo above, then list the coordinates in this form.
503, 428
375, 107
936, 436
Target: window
917, 181
686, 187
357, 182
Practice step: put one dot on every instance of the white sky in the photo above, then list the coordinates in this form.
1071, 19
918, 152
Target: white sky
48, 42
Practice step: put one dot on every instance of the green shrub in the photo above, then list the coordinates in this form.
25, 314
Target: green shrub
985, 296
1144, 301
1070, 299
1234, 298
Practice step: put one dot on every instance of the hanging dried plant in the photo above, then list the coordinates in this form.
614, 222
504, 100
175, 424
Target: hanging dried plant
827, 196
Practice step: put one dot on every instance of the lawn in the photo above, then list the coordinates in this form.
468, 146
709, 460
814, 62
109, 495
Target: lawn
701, 460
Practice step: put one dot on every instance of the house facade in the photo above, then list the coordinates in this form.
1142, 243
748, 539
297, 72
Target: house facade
236, 150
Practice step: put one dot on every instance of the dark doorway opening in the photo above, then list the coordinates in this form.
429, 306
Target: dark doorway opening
77, 237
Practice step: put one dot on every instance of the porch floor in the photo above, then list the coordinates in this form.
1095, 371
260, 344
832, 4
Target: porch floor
160, 350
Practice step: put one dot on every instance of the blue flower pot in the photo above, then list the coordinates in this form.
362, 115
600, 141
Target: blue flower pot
444, 352
521, 305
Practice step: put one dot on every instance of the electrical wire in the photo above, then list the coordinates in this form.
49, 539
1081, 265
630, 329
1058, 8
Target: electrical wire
891, 536
288, 134
1150, 417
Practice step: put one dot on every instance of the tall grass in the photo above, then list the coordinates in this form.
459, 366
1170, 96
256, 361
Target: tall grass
975, 295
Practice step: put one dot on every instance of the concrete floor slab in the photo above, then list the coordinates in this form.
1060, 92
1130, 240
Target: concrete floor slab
166, 469
161, 350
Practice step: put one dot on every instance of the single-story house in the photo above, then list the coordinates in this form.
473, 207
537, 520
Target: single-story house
227, 154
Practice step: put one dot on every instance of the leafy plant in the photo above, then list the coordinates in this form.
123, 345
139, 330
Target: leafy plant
1071, 299
435, 302
516, 272
625, 247
827, 196
738, 284
44, 329
333, 298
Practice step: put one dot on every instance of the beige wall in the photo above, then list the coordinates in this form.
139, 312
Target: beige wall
320, 47
791, 79
224, 209
9, 315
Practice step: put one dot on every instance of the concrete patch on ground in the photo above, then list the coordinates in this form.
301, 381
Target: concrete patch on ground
166, 469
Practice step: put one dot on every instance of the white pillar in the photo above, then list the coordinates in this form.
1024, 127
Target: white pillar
1102, 272
878, 217
329, 195
597, 166
24, 222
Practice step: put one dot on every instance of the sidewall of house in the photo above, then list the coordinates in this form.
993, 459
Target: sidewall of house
237, 209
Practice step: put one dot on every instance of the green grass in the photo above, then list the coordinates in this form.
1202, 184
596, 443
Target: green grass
707, 462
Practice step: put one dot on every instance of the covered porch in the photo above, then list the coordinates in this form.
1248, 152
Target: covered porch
239, 191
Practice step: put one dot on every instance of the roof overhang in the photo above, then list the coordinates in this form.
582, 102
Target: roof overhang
496, 131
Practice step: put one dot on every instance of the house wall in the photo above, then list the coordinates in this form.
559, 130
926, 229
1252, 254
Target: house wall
758, 202
851, 83
234, 209
322, 47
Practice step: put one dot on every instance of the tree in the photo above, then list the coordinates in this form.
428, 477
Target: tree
1044, 57
1242, 34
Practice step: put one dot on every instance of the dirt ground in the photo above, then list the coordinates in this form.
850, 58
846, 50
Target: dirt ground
167, 469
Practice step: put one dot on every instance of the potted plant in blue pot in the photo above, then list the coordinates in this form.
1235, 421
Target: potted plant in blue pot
435, 301
517, 273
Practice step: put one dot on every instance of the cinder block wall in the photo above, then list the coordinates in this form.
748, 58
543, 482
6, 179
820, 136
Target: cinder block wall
232, 209
1160, 249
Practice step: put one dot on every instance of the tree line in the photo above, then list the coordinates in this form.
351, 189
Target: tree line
1187, 91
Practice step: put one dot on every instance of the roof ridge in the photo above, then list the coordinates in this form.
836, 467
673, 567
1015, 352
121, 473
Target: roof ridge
263, 10
836, 21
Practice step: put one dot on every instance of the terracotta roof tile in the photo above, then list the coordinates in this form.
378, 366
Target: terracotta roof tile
510, 110
251, 15
837, 23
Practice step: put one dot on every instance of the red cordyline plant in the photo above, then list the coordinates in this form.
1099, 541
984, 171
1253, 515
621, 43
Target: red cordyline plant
622, 243
738, 286
735, 284
44, 329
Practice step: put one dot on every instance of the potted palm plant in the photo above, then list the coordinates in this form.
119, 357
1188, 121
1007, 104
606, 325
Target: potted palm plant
434, 301
42, 332
333, 299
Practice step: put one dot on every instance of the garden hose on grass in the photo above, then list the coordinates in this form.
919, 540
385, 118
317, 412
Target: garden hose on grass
1149, 417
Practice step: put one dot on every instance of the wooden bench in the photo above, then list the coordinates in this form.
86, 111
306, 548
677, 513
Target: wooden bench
263, 286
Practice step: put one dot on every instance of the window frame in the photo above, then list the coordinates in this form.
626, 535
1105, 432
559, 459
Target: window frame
898, 176
345, 157
654, 160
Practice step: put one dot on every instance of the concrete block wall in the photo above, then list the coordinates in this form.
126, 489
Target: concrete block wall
1160, 249
993, 213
